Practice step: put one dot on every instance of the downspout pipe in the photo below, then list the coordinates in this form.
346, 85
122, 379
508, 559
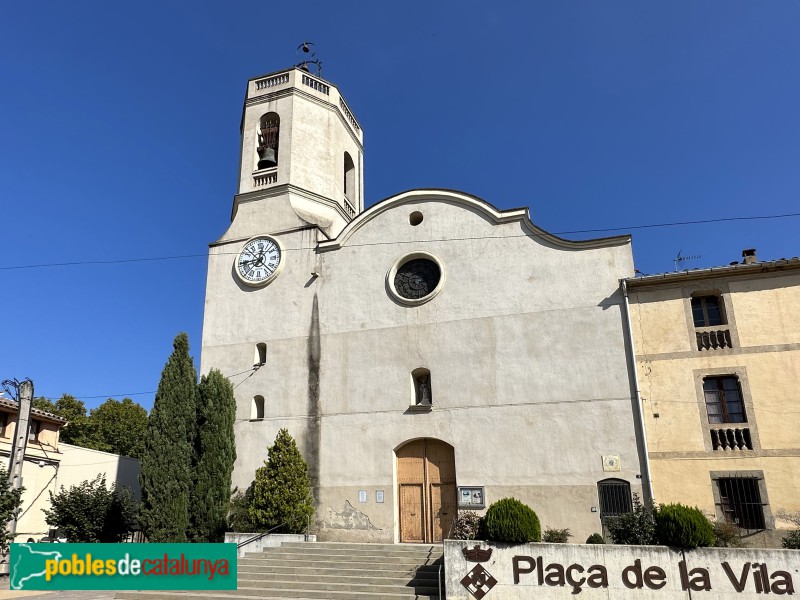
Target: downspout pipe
647, 483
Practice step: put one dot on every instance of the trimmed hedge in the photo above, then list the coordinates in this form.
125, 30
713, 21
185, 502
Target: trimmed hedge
595, 538
509, 520
683, 527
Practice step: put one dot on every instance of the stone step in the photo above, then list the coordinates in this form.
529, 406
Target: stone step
251, 579
251, 594
326, 571
377, 547
365, 585
261, 557
328, 594
425, 572
312, 550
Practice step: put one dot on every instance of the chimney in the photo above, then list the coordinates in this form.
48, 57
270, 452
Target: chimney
749, 256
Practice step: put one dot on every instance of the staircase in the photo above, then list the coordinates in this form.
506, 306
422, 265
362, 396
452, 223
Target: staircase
328, 571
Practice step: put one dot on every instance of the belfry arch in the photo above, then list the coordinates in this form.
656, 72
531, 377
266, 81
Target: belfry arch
426, 490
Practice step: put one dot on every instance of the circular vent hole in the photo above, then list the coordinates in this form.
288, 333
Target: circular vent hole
415, 218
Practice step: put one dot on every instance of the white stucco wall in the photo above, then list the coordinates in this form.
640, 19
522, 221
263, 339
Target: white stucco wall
81, 464
524, 343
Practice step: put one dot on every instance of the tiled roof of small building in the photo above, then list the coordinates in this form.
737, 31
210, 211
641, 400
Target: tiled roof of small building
41, 414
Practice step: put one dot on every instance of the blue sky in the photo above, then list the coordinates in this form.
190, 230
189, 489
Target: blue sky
120, 140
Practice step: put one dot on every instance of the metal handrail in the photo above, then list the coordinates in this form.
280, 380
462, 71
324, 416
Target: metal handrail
265, 533
259, 536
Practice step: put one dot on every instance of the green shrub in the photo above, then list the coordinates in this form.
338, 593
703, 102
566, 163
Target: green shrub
509, 520
466, 525
727, 535
636, 528
792, 541
556, 536
595, 538
683, 527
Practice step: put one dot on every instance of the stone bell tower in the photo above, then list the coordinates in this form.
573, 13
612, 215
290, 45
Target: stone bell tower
301, 157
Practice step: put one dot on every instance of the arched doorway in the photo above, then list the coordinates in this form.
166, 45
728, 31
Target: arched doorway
426, 479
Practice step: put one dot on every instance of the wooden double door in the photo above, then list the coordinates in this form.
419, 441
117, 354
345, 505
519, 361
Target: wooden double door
426, 476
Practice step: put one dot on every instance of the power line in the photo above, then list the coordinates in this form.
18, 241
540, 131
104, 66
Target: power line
394, 242
101, 262
51, 398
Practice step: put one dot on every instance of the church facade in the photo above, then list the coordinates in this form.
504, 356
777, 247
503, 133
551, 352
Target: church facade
429, 353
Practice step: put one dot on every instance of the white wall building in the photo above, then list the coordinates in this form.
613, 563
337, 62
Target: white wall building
50, 465
428, 342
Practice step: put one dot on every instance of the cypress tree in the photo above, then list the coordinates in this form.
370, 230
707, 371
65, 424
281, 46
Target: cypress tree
165, 475
215, 453
282, 489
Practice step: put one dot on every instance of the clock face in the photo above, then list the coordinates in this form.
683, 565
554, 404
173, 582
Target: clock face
259, 261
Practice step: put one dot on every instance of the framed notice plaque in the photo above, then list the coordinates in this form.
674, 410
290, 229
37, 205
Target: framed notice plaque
471, 498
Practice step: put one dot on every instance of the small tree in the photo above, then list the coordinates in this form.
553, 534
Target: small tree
509, 520
683, 527
215, 453
166, 476
636, 528
120, 426
90, 512
282, 489
10, 502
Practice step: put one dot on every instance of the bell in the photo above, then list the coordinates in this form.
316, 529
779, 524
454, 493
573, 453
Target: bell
266, 158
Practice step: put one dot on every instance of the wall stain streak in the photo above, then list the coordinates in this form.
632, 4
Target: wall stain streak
314, 433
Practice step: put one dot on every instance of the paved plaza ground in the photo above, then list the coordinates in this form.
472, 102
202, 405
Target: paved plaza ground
98, 595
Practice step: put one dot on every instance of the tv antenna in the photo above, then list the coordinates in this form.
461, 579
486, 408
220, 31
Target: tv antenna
678, 260
309, 61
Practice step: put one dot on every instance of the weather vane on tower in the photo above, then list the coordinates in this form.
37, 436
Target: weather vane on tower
309, 62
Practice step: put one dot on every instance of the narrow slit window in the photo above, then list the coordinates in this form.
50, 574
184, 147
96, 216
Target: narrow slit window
258, 408
260, 355
349, 177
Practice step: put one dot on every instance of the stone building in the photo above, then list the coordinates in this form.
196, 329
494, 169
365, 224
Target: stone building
718, 360
427, 352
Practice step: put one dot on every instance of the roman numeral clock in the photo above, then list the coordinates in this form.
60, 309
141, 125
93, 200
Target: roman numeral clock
259, 261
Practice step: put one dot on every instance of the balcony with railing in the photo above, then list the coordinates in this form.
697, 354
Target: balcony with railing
265, 177
731, 439
306, 82
713, 338
349, 208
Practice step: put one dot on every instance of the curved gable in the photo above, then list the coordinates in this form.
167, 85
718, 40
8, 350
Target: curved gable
492, 214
